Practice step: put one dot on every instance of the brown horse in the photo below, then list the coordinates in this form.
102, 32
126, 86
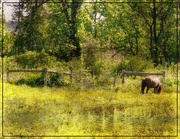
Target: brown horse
151, 83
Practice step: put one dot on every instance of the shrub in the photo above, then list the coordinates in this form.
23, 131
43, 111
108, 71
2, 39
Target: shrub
55, 80
33, 60
134, 63
38, 80
31, 80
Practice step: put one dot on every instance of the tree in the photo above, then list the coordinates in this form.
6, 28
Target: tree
159, 22
57, 20
6, 35
119, 28
30, 17
65, 20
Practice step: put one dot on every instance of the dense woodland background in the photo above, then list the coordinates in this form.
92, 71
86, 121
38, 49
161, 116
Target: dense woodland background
106, 37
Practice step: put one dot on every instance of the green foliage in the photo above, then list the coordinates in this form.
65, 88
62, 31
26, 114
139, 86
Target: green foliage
52, 33
85, 26
37, 80
134, 63
32, 59
33, 81
60, 29
89, 51
64, 29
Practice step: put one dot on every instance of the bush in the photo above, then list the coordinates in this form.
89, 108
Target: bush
55, 80
38, 81
31, 80
134, 63
33, 60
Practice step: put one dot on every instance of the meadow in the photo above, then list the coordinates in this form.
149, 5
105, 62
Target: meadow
123, 112
89, 106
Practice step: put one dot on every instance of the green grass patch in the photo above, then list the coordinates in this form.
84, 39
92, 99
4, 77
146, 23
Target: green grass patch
61, 111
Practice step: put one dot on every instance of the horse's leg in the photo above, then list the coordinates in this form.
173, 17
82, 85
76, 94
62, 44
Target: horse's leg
155, 90
159, 89
142, 89
143, 86
147, 89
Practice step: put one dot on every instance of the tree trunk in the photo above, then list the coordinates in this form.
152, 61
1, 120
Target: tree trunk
164, 47
72, 19
73, 29
155, 48
151, 42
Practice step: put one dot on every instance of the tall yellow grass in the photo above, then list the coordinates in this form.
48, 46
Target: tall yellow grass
66, 112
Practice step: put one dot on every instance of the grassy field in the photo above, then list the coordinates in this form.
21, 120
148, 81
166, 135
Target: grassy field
67, 112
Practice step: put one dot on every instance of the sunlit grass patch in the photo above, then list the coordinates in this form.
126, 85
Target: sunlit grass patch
62, 111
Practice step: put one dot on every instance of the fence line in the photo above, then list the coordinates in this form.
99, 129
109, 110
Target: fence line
45, 72
142, 74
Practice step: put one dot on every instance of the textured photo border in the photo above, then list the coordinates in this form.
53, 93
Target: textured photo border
177, 52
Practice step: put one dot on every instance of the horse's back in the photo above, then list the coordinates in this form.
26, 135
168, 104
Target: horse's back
151, 82
156, 79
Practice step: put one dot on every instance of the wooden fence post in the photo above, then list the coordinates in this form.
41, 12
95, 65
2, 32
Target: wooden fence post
164, 77
71, 76
7, 75
92, 72
45, 76
114, 82
123, 74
